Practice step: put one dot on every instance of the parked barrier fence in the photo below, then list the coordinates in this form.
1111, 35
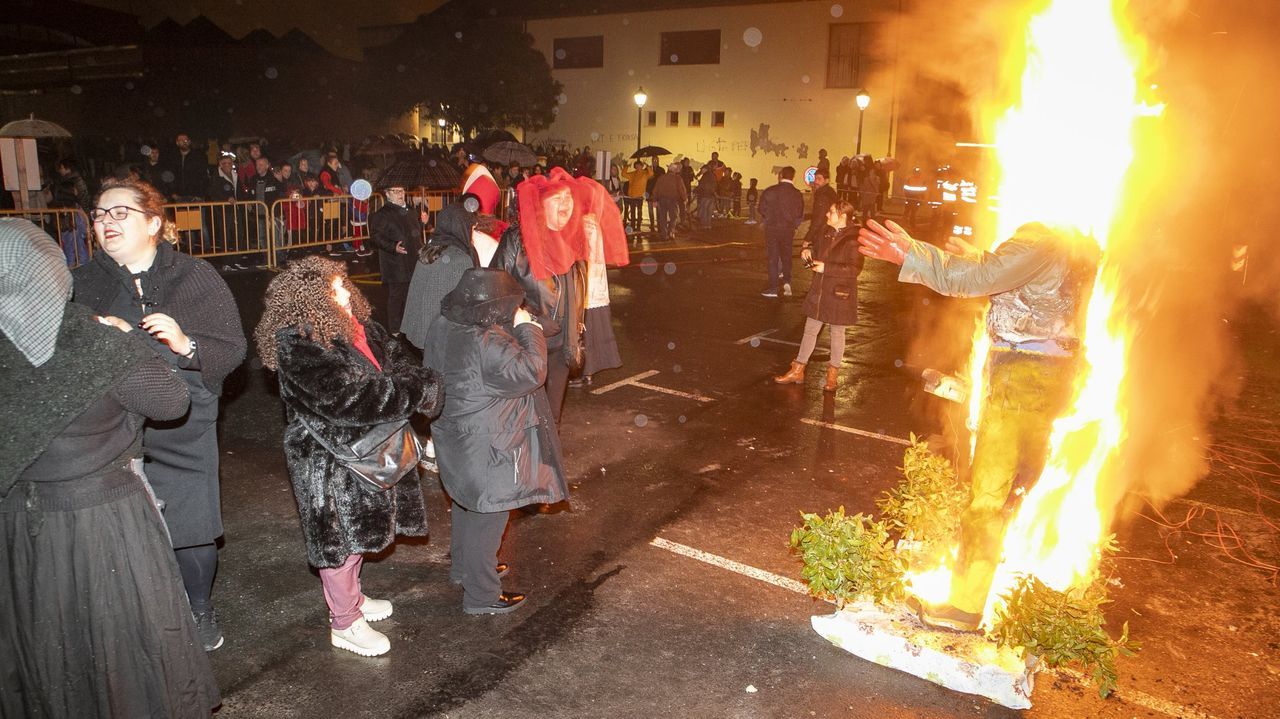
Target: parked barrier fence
221, 229
69, 226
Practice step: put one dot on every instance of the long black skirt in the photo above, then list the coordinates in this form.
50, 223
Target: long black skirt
94, 621
600, 345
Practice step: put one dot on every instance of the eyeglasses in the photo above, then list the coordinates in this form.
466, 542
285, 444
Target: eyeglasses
118, 213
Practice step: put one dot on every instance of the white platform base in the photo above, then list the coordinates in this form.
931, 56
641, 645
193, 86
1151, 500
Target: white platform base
962, 662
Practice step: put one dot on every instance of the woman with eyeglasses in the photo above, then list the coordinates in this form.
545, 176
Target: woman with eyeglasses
140, 283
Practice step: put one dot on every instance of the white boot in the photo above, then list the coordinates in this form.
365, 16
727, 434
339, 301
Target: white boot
375, 610
361, 639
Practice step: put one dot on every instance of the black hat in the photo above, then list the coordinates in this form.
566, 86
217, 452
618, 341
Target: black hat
484, 296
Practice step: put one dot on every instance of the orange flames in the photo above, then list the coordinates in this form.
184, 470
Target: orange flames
1064, 144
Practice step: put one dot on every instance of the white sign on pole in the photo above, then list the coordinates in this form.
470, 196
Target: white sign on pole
19, 162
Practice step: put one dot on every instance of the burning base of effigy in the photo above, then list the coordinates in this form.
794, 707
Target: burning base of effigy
963, 662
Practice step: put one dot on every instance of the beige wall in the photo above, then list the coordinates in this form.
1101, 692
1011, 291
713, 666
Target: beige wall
780, 83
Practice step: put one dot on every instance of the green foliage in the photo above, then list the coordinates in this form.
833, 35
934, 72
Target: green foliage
925, 509
475, 73
1063, 628
848, 558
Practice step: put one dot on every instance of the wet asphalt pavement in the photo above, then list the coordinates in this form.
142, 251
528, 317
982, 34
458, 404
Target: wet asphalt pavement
722, 461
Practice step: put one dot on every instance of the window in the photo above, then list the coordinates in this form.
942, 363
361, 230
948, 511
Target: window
651, 118
690, 47
849, 57
695, 118
673, 119
578, 52
717, 118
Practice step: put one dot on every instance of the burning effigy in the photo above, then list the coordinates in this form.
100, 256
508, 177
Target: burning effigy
974, 587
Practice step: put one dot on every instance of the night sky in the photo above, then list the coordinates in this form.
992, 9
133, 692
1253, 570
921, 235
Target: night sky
332, 23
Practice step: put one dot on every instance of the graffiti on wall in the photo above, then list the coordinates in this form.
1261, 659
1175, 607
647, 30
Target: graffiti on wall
761, 142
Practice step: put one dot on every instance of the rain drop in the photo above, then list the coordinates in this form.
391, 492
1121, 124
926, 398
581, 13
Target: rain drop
804, 79
445, 259
669, 268
255, 363
167, 176
755, 342
272, 73
649, 266
675, 59
562, 98
400, 68
432, 163
458, 35
560, 54
595, 137
671, 345
145, 150
641, 420
555, 111
631, 72
837, 10
924, 301
897, 363
677, 368
626, 21
186, 103
76, 89
129, 85
681, 419
752, 37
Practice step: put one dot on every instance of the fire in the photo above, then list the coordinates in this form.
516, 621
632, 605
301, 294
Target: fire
1064, 145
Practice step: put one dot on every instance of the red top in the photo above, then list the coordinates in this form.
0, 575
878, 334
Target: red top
361, 342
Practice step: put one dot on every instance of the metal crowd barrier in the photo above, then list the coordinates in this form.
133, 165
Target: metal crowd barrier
302, 222
69, 226
219, 229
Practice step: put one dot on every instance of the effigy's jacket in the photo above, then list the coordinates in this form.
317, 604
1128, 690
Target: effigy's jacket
1036, 281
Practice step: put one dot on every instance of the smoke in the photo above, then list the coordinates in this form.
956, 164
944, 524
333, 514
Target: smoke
1216, 179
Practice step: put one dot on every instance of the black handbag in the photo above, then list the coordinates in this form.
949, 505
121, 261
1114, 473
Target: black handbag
380, 458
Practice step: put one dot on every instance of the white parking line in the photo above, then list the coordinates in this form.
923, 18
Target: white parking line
859, 432
764, 337
1130, 696
634, 381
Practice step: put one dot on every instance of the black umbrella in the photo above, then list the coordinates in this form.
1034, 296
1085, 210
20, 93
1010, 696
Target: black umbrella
651, 151
507, 153
485, 138
427, 171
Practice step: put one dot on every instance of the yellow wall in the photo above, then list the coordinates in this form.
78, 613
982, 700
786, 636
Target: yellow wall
781, 83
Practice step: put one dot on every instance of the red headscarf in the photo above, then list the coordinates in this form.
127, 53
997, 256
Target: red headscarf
554, 244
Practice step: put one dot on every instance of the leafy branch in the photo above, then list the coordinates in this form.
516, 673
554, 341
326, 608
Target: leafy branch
848, 558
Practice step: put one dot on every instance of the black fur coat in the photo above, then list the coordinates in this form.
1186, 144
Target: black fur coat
342, 395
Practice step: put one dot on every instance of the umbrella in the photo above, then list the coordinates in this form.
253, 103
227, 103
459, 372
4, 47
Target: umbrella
508, 152
485, 138
381, 147
651, 151
31, 127
428, 171
315, 158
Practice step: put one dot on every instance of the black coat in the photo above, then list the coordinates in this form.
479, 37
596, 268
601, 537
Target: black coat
833, 295
782, 207
341, 394
190, 175
182, 455
496, 441
389, 225
823, 198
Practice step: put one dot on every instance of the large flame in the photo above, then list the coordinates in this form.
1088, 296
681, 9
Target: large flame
1064, 145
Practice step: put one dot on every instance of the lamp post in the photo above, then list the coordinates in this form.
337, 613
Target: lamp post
863, 98
641, 98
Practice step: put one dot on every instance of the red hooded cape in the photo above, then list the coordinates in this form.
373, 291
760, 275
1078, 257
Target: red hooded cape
553, 252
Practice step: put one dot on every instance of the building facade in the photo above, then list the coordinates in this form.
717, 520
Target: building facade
765, 85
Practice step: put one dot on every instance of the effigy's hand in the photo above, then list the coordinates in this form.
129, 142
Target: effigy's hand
957, 246
884, 243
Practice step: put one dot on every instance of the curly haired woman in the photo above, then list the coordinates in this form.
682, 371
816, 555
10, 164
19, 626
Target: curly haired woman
341, 373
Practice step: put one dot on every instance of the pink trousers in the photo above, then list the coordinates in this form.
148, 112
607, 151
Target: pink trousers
342, 591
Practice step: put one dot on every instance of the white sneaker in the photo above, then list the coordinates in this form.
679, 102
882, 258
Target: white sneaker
375, 610
786, 289
361, 639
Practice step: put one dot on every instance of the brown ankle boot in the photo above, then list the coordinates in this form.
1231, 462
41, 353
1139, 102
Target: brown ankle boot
795, 375
832, 376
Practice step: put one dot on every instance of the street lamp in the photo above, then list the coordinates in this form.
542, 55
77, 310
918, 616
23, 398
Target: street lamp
863, 98
641, 98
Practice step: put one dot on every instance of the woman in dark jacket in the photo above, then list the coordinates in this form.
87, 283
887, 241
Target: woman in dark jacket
188, 316
496, 442
93, 622
340, 374
831, 251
